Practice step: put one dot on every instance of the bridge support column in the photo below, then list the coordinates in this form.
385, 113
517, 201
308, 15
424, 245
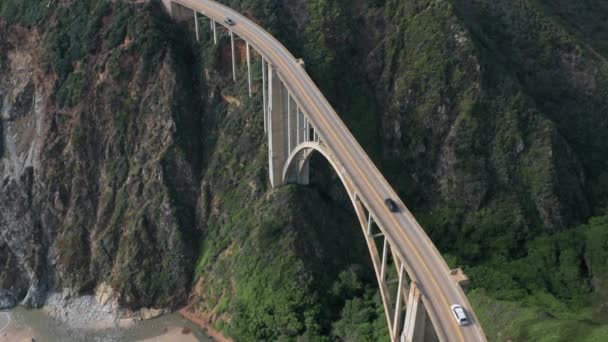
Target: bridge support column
248, 67
196, 26
298, 125
306, 130
299, 172
414, 327
213, 25
292, 124
289, 120
177, 11
384, 256
233, 55
167, 6
302, 127
398, 302
264, 97
277, 127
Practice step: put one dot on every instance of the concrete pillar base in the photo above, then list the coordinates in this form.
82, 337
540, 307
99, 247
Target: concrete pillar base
167, 6
277, 127
177, 11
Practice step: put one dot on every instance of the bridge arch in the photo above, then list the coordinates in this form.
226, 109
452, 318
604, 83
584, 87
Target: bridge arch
415, 327
295, 169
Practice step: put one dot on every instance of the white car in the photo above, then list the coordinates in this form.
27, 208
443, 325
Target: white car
460, 314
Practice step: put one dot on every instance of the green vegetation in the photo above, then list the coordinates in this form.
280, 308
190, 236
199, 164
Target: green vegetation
525, 321
72, 90
26, 12
563, 264
362, 318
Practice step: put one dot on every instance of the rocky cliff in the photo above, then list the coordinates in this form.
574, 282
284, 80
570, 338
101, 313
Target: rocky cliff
129, 159
96, 184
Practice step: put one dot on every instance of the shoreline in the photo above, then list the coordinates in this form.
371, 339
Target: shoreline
8, 321
28, 325
204, 323
10, 332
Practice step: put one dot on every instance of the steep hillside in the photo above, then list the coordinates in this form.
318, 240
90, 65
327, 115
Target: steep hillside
97, 185
128, 157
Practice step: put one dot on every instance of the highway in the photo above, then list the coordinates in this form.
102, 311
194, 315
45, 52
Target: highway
424, 264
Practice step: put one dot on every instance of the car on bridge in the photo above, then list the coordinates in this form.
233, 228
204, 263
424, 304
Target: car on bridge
229, 22
460, 314
391, 205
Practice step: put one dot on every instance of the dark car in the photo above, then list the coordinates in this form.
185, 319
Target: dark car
229, 22
391, 205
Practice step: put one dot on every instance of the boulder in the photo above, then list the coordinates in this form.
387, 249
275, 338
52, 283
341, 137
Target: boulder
7, 300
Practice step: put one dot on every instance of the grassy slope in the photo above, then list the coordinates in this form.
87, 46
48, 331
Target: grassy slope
520, 321
543, 296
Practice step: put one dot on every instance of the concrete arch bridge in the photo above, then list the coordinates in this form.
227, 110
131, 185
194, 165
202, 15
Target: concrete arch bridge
299, 121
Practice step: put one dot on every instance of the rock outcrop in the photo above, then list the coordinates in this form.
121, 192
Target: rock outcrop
94, 181
7, 300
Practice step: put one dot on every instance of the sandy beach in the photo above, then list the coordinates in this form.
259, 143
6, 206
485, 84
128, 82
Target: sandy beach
173, 334
16, 334
15, 327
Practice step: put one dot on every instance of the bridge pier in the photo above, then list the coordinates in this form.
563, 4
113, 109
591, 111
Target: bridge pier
398, 302
167, 6
302, 128
264, 97
277, 127
414, 327
196, 26
248, 67
299, 171
233, 55
298, 125
178, 12
282, 132
292, 123
288, 112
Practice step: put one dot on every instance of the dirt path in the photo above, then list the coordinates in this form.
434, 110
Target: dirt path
203, 322
173, 334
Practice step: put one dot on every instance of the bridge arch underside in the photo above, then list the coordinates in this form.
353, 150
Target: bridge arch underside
405, 314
